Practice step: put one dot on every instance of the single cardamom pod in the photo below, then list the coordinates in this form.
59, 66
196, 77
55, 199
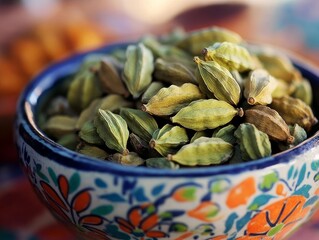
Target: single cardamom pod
219, 81
236, 157
168, 138
92, 151
294, 110
206, 114
283, 88
131, 159
194, 42
299, 135
270, 122
140, 146
59, 125
303, 91
173, 72
151, 90
229, 55
254, 144
84, 88
110, 78
89, 134
112, 128
139, 122
199, 134
170, 100
259, 87
138, 69
226, 133
111, 102
69, 141
203, 151
162, 163
202, 86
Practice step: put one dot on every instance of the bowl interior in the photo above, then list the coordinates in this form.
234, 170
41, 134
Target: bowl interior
44, 86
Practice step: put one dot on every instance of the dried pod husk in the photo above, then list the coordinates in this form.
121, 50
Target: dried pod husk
303, 91
219, 81
59, 125
173, 72
151, 91
278, 65
199, 134
69, 141
92, 151
170, 100
161, 163
138, 69
131, 159
206, 114
230, 55
141, 147
203, 151
139, 122
113, 129
84, 88
283, 88
89, 134
111, 102
254, 144
168, 138
294, 110
110, 78
226, 133
259, 87
194, 42
270, 122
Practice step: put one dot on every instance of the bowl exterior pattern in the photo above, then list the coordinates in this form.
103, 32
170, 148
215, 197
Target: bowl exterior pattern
260, 204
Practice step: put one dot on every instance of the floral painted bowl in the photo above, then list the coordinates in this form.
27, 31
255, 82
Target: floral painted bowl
264, 199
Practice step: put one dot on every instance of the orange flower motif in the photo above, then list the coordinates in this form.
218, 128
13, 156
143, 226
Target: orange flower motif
276, 220
138, 226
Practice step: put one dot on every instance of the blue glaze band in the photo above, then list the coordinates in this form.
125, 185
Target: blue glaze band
27, 129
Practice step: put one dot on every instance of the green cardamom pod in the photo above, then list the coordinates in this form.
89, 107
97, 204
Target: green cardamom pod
194, 42
110, 78
229, 55
151, 90
270, 122
199, 134
131, 159
206, 114
236, 157
259, 87
254, 144
219, 81
89, 134
202, 86
92, 151
303, 91
140, 146
113, 129
168, 138
170, 100
162, 163
84, 88
138, 69
139, 122
226, 133
111, 102
69, 141
203, 151
283, 88
59, 125
299, 134
173, 72
294, 110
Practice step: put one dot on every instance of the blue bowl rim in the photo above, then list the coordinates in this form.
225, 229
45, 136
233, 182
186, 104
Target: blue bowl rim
28, 100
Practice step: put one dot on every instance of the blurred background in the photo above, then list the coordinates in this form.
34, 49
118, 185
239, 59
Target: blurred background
36, 33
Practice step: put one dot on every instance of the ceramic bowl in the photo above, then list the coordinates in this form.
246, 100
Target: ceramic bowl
263, 199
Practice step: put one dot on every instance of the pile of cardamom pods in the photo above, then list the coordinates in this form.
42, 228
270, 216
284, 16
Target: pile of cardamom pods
184, 99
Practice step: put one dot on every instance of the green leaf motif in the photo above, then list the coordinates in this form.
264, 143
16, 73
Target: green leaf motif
103, 210
53, 176
316, 177
74, 182
315, 165
268, 181
189, 193
219, 186
178, 227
